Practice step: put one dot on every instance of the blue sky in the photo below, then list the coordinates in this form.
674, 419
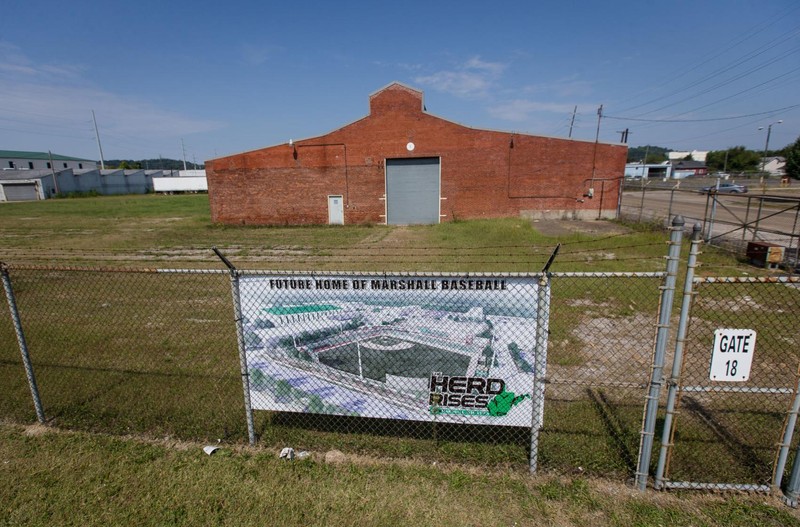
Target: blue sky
236, 76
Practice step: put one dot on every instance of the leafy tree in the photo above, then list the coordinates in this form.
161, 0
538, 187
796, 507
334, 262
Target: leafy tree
315, 405
252, 340
740, 159
655, 154
258, 380
154, 164
793, 159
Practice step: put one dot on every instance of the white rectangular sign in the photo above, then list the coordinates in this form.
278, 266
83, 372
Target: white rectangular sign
416, 347
732, 355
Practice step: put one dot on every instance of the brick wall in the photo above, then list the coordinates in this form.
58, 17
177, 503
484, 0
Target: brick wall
484, 174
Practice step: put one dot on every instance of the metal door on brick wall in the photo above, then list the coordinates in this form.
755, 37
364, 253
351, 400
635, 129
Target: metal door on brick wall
335, 210
412, 191
737, 392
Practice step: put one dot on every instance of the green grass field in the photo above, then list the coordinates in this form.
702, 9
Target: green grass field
88, 479
176, 231
155, 355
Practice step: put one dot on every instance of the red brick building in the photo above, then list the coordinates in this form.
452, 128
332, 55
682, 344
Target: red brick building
402, 165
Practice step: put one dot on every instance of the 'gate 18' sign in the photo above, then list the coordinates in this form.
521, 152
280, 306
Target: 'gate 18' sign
732, 355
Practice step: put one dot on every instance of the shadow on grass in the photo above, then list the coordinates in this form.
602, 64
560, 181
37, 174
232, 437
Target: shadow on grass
746, 455
616, 430
404, 429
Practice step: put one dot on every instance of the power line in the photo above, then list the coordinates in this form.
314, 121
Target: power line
760, 29
724, 83
703, 120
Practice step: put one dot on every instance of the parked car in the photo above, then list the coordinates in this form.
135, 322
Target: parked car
731, 188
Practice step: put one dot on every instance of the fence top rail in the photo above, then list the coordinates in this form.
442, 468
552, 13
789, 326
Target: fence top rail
263, 272
378, 274
104, 269
747, 280
655, 274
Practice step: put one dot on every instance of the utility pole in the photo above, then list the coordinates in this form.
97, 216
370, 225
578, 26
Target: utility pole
183, 147
594, 156
53, 170
99, 147
623, 138
572, 122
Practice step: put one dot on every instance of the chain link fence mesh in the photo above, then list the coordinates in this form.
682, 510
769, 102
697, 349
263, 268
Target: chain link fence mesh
602, 330
155, 354
729, 433
128, 352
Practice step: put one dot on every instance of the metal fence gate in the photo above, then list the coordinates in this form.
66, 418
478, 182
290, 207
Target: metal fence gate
733, 431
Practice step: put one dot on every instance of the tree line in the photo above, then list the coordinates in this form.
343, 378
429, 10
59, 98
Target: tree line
734, 159
151, 164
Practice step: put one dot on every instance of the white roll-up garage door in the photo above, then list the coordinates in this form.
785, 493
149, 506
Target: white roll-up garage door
20, 191
412, 191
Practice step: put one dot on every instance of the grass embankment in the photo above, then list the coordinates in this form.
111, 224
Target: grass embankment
84, 479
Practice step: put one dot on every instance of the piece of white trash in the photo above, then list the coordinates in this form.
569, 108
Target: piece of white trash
210, 449
287, 453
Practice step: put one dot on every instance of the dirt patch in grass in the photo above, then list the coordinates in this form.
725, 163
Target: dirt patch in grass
557, 228
37, 430
603, 351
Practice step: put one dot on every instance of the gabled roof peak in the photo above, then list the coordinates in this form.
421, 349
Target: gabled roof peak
396, 85
396, 96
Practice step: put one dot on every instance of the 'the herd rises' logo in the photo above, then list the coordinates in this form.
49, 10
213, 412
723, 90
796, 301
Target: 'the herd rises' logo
472, 393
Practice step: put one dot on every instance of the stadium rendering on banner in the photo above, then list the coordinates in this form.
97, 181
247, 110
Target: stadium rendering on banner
424, 348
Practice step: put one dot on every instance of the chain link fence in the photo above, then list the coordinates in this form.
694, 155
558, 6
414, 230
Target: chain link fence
599, 360
126, 351
546, 371
153, 352
742, 223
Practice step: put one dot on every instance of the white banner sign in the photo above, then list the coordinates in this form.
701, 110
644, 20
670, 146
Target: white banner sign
412, 347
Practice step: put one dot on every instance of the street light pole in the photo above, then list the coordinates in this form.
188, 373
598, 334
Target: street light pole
766, 145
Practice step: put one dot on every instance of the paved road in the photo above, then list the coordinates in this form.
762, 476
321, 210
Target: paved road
732, 210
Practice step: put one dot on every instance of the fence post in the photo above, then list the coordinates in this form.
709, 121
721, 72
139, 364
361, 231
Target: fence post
793, 488
540, 368
237, 315
23, 345
677, 361
641, 205
671, 199
715, 197
786, 443
796, 262
758, 218
662, 335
